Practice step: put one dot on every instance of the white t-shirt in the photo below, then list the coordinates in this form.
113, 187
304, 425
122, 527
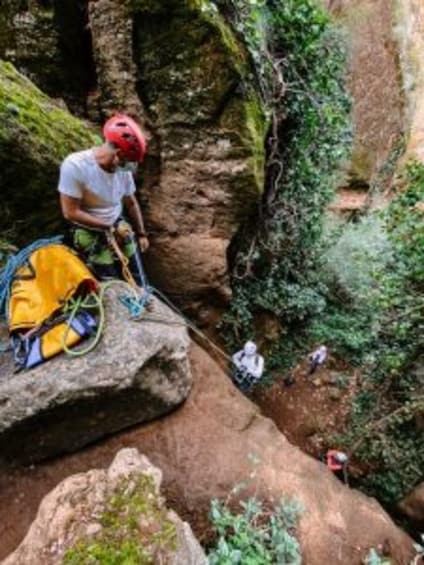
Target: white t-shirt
100, 192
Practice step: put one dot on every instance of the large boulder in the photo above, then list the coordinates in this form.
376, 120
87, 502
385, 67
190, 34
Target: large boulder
139, 371
29, 40
114, 515
217, 440
386, 79
49, 42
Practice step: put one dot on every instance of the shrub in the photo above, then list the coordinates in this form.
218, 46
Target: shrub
299, 60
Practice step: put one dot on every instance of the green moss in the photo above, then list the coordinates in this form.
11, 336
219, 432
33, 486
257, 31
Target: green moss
256, 125
35, 117
135, 529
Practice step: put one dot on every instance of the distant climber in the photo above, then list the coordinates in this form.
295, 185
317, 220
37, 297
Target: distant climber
95, 184
317, 358
248, 366
337, 463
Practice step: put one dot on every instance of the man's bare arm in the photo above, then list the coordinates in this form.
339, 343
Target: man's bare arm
134, 212
71, 210
136, 218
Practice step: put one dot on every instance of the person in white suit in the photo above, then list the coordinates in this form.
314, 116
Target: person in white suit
248, 366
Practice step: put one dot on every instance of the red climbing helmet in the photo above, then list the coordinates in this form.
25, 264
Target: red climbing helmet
127, 135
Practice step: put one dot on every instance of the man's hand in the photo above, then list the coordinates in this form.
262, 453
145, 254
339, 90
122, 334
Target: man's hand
123, 229
143, 242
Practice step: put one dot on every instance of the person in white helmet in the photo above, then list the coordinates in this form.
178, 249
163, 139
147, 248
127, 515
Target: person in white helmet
248, 366
317, 358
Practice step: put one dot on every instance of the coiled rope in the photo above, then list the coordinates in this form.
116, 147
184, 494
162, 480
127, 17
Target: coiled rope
14, 262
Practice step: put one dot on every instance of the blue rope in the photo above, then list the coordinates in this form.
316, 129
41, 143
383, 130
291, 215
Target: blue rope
137, 306
139, 262
14, 262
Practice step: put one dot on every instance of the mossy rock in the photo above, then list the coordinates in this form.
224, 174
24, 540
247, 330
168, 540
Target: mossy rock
135, 528
29, 39
197, 82
35, 136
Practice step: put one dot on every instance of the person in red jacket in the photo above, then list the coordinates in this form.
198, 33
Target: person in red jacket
337, 463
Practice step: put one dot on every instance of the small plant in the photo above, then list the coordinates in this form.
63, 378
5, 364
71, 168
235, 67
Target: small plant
257, 535
373, 558
342, 381
253, 532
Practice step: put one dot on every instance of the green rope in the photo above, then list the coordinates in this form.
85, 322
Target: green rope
74, 305
92, 301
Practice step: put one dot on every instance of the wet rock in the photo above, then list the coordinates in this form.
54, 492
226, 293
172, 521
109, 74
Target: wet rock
127, 497
138, 372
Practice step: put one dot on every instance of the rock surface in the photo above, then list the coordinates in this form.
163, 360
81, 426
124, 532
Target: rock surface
209, 126
204, 449
375, 83
412, 506
49, 43
79, 509
139, 371
410, 33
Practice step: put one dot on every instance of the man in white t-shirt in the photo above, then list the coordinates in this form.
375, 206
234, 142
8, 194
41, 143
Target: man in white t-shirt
95, 186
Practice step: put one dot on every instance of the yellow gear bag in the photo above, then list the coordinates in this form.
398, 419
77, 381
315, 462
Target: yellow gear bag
41, 288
